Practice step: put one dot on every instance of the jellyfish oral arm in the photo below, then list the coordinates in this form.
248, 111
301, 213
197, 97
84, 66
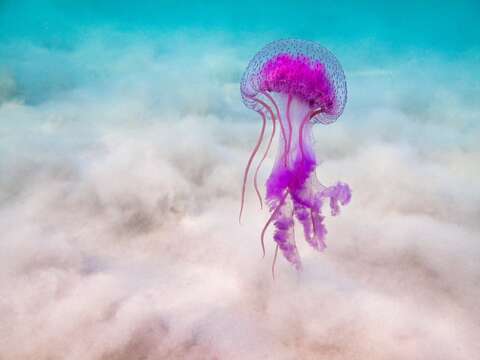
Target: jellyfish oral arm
293, 188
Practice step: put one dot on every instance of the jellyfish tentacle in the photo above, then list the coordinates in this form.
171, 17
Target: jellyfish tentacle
289, 122
266, 106
305, 120
255, 183
284, 136
270, 219
315, 113
272, 117
309, 116
249, 163
274, 262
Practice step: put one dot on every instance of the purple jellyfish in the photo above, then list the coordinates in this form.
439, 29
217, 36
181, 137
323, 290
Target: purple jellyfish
295, 84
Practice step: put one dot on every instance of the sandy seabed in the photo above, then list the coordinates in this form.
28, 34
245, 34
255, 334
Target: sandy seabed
119, 197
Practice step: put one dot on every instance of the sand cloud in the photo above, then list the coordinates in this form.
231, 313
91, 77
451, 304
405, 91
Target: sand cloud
119, 195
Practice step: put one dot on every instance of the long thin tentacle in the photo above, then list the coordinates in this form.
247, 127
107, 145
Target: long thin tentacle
261, 161
270, 219
249, 163
281, 124
300, 133
289, 121
274, 262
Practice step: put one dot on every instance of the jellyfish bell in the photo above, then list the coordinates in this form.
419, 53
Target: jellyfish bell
295, 84
303, 69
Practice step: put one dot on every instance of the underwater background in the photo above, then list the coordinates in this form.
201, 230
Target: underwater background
123, 141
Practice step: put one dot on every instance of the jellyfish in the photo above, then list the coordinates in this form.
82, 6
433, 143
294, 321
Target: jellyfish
293, 85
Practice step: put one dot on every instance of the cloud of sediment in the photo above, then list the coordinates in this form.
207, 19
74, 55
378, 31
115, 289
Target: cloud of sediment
120, 168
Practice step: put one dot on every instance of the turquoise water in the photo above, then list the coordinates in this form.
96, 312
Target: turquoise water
38, 37
444, 26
